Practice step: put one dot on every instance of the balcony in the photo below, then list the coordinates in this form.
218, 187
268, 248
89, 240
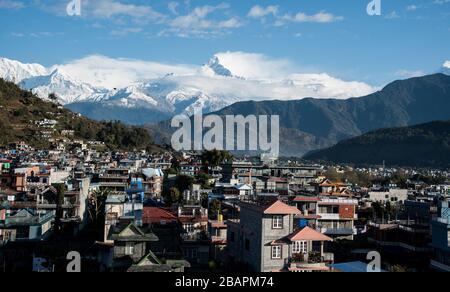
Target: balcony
335, 216
312, 261
197, 236
338, 231
329, 216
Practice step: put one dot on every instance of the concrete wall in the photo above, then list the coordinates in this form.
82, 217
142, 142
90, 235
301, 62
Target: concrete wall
270, 235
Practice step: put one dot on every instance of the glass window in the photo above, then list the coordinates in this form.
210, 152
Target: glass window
276, 252
129, 248
300, 247
277, 222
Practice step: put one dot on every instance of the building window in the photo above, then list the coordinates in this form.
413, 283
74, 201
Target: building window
277, 222
191, 253
189, 228
276, 252
300, 247
247, 244
129, 248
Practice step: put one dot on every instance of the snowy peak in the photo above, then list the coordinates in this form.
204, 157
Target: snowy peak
225, 79
132, 96
217, 68
66, 88
15, 71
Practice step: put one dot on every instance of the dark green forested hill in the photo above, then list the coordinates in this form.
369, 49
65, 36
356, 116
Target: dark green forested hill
424, 145
20, 110
310, 124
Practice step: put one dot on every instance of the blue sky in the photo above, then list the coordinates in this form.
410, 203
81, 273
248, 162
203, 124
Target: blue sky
411, 37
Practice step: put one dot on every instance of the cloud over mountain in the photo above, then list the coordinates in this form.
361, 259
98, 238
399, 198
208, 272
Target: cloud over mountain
177, 88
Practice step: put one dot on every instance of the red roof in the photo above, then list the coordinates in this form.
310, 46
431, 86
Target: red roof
308, 234
280, 208
156, 215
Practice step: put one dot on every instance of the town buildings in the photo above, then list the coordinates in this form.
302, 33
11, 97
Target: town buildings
139, 212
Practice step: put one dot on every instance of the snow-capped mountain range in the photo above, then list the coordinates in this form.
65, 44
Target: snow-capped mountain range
150, 92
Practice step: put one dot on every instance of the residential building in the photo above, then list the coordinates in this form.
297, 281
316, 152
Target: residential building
264, 238
332, 216
441, 238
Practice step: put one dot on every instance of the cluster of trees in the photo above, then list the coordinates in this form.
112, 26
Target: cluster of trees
173, 192
363, 179
358, 178
214, 158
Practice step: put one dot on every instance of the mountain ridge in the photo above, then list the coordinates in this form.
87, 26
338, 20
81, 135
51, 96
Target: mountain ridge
311, 124
422, 145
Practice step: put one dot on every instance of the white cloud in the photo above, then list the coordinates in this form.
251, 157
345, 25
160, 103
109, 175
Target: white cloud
111, 8
230, 23
409, 73
11, 4
262, 77
446, 64
125, 31
320, 17
198, 23
259, 11
412, 7
441, 1
40, 34
109, 73
255, 66
173, 6
392, 15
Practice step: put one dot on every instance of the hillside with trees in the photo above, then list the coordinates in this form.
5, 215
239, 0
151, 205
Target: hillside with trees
21, 112
425, 145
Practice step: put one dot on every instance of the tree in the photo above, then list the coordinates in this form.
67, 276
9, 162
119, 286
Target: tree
60, 192
332, 174
175, 196
203, 180
215, 207
378, 210
214, 158
96, 204
183, 182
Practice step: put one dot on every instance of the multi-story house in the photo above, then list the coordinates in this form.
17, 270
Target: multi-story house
328, 188
393, 196
332, 216
134, 251
441, 238
115, 179
26, 224
191, 169
248, 173
153, 182
233, 189
195, 243
218, 238
264, 238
